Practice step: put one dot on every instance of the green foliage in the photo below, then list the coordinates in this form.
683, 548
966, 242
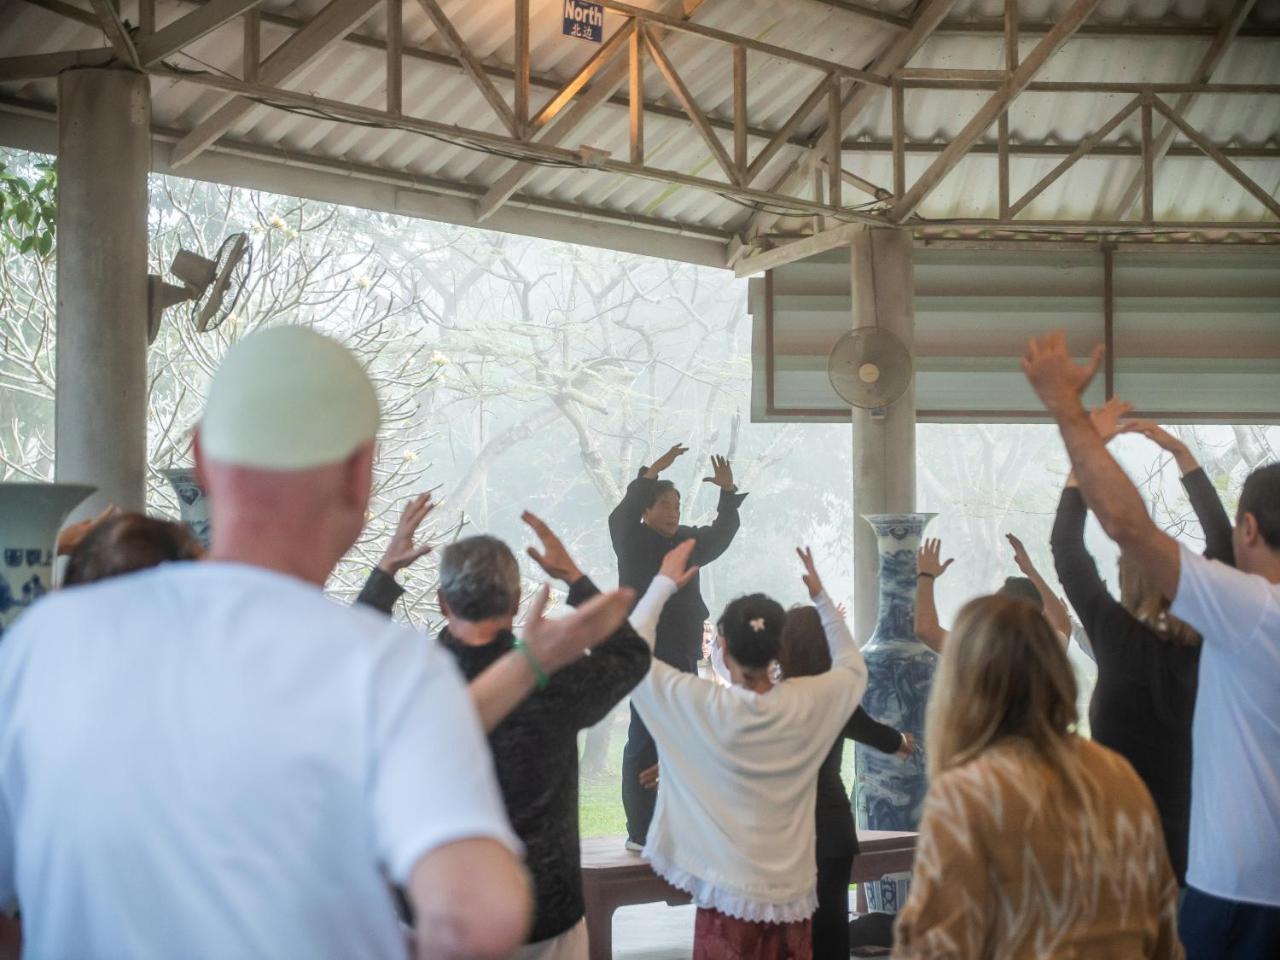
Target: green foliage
28, 207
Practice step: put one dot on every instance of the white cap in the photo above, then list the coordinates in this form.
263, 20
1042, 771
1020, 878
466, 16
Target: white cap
288, 398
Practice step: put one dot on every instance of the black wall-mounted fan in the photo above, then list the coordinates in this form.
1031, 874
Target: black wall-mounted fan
213, 286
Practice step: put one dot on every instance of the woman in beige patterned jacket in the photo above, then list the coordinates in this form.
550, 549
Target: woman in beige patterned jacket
1034, 842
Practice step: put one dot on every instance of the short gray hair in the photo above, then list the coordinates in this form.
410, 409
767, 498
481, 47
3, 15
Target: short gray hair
479, 578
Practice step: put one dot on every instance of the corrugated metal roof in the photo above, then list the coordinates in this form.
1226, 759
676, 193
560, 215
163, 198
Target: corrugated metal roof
1186, 188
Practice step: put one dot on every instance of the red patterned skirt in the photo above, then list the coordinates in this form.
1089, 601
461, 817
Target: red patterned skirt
718, 936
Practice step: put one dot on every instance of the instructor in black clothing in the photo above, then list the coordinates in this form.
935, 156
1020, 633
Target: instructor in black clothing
643, 528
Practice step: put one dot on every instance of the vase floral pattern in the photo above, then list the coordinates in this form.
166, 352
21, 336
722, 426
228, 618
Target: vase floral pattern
30, 517
193, 503
889, 791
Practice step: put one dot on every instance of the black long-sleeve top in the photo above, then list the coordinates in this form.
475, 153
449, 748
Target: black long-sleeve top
535, 751
640, 550
1145, 693
837, 835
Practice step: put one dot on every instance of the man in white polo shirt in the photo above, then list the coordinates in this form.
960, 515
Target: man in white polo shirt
215, 760
1232, 906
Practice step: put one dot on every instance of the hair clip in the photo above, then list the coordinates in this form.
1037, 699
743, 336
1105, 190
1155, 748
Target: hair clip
757, 625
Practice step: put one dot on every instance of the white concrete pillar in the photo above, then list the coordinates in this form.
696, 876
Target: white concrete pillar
104, 156
884, 442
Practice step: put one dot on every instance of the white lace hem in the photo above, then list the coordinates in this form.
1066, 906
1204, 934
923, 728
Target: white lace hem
706, 894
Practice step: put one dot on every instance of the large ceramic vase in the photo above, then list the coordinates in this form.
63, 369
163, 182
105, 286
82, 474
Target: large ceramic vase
889, 791
193, 504
30, 516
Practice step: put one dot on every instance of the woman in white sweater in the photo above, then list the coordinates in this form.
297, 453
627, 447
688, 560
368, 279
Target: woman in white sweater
734, 819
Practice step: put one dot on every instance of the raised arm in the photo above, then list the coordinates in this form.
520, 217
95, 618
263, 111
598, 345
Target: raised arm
845, 654
546, 647
1060, 382
1054, 609
674, 573
1101, 615
1204, 498
929, 566
381, 591
714, 540
625, 517
592, 686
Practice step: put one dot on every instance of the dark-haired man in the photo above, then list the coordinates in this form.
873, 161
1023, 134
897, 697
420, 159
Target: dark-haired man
534, 738
1232, 906
643, 528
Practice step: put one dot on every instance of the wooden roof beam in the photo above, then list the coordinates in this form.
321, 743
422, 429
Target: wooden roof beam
1204, 73
301, 50
190, 28
895, 56
1067, 24
605, 85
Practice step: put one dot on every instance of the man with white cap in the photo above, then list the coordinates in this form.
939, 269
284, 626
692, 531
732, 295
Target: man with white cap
215, 760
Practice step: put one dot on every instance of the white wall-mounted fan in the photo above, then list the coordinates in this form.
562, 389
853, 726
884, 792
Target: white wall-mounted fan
212, 285
869, 368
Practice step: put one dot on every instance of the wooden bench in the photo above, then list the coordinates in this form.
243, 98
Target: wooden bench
613, 877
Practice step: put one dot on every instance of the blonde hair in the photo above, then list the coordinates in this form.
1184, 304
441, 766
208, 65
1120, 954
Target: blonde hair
1004, 675
1145, 602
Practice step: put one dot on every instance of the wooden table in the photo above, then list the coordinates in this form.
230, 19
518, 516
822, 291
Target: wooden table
613, 877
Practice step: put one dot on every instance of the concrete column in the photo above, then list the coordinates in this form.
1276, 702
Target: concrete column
104, 156
884, 442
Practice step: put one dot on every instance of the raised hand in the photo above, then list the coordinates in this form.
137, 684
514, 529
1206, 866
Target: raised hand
810, 576
554, 558
1106, 418
676, 561
557, 643
402, 551
1166, 441
1021, 557
666, 460
1156, 434
722, 474
1056, 378
928, 560
842, 611
73, 534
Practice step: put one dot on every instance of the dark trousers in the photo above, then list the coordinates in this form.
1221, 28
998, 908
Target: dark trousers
831, 921
640, 753
1215, 929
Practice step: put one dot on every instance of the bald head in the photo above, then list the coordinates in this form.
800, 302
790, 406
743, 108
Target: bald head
285, 452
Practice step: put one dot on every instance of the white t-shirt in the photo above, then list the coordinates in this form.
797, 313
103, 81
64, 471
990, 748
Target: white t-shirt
733, 824
1235, 776
214, 760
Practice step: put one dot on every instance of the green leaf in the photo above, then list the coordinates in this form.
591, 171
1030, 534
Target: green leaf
28, 244
45, 244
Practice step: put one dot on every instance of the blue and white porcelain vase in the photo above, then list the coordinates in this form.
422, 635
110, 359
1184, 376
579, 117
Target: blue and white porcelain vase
889, 791
193, 503
31, 514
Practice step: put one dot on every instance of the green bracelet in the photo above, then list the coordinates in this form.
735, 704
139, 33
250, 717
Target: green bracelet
534, 665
